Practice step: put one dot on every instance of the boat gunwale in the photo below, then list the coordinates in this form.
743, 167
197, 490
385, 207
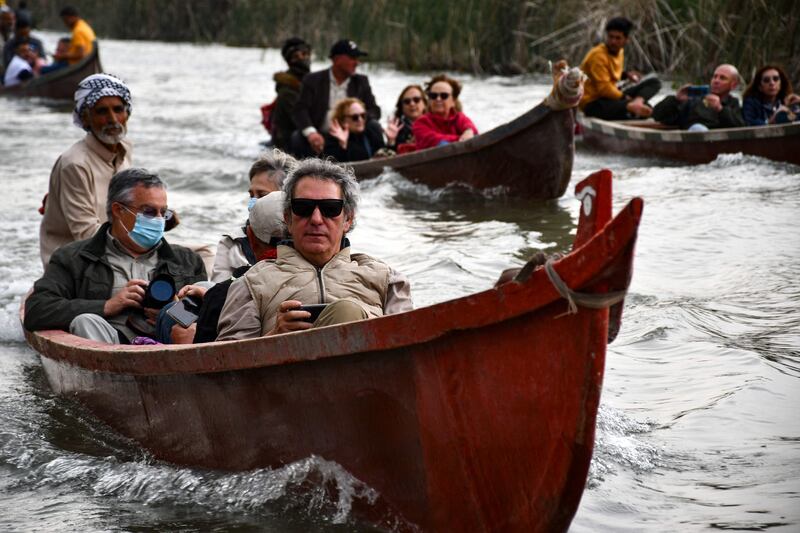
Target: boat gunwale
626, 130
579, 268
480, 142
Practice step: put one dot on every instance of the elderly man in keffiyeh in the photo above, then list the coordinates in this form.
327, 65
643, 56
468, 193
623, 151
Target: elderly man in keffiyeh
75, 205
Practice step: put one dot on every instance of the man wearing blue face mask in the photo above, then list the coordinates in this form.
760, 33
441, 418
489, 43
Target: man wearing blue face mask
93, 287
234, 250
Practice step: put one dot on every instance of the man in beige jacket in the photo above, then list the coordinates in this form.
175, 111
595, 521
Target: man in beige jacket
320, 200
75, 205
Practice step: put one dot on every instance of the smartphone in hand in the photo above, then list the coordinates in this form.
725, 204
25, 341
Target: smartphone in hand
314, 309
185, 312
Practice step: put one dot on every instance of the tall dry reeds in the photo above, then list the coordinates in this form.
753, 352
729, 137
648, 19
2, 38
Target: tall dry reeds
682, 38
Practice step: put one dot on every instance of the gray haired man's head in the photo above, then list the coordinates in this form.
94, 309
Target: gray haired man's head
276, 164
323, 169
120, 190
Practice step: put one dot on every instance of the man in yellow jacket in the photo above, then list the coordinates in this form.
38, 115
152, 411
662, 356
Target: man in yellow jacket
603, 65
82, 39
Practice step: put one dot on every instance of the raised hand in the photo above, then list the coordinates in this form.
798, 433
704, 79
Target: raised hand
338, 132
393, 127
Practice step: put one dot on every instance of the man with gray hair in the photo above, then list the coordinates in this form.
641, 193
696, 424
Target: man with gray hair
74, 207
320, 201
95, 288
700, 108
234, 249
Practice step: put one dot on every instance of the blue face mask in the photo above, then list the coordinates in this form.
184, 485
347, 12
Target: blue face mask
147, 231
251, 203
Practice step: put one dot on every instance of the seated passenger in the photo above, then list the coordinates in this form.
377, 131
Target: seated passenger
61, 49
348, 138
768, 99
716, 109
234, 250
603, 66
21, 67
411, 104
297, 54
22, 34
265, 229
444, 122
82, 38
317, 267
95, 287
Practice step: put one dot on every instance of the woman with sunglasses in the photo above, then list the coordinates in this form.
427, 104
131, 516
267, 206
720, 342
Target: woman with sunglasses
411, 105
349, 138
769, 99
444, 122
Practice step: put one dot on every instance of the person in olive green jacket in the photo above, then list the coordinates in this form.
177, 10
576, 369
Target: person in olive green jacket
92, 288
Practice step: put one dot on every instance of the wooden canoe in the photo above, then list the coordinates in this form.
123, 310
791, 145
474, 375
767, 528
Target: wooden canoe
646, 138
61, 84
475, 414
529, 157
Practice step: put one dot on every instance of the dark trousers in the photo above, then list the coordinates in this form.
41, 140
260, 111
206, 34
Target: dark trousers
608, 109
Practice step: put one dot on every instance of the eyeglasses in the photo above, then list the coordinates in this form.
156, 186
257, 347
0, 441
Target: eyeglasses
355, 117
414, 99
150, 212
436, 96
767, 79
329, 208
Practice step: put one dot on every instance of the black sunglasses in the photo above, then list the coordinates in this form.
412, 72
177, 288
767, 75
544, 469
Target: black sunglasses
767, 79
414, 99
355, 117
436, 96
329, 208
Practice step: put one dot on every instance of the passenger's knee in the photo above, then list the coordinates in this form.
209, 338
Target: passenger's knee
340, 312
93, 327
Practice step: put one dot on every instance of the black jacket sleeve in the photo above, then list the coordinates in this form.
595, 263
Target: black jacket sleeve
301, 112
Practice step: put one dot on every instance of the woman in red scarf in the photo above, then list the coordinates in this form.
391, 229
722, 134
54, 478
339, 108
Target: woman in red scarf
444, 122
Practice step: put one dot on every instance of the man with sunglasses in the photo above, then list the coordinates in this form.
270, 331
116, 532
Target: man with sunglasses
712, 107
316, 267
74, 207
322, 89
94, 287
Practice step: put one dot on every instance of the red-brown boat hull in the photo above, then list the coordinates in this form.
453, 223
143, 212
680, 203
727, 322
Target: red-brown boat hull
778, 142
476, 414
529, 157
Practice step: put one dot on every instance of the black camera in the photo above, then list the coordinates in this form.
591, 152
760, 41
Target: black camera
160, 291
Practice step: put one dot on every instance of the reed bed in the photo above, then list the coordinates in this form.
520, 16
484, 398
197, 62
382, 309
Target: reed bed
679, 38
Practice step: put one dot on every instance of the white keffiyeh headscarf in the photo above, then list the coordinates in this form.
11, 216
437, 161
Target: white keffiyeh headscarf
95, 87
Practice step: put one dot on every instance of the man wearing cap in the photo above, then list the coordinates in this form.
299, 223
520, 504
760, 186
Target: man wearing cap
264, 230
320, 92
297, 54
75, 205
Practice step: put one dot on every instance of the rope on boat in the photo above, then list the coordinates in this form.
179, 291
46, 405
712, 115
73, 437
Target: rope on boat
582, 299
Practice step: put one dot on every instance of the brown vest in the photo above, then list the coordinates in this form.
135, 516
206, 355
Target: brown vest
355, 277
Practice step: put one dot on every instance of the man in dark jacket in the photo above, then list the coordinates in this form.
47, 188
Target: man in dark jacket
717, 109
320, 92
96, 288
297, 54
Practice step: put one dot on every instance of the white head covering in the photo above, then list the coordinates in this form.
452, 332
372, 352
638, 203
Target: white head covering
95, 87
266, 217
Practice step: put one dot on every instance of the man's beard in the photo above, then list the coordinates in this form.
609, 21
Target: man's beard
111, 134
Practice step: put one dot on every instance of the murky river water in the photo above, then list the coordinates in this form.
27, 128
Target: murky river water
698, 427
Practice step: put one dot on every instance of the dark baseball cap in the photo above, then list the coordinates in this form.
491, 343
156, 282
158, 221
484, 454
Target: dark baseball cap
347, 47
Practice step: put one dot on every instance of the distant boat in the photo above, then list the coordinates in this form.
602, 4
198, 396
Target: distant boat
779, 142
474, 414
60, 84
529, 157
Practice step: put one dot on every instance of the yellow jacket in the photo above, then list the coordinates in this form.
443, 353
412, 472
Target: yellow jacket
83, 38
603, 71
